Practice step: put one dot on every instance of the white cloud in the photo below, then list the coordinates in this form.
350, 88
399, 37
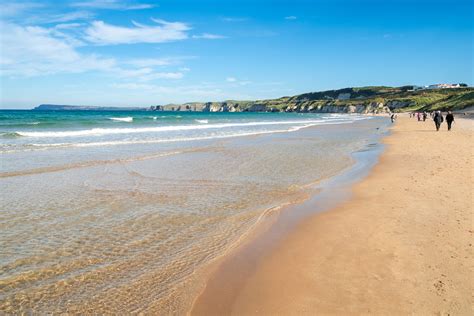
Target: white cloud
36, 51
231, 79
32, 51
208, 36
38, 13
46, 17
106, 34
291, 17
111, 5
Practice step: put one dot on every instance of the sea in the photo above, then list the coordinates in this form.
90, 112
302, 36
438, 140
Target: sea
118, 211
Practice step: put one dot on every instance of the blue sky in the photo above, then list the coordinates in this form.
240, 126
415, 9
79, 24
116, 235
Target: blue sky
141, 53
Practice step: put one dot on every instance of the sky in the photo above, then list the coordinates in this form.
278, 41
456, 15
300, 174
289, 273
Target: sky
142, 53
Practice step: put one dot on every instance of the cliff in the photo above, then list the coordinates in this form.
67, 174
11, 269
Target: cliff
348, 100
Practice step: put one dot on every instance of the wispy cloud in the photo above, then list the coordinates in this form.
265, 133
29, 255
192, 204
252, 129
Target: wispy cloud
101, 33
233, 19
38, 51
204, 91
33, 51
133, 86
291, 17
146, 74
238, 82
67, 26
208, 36
151, 62
158, 62
111, 5
10, 9
195, 92
65, 17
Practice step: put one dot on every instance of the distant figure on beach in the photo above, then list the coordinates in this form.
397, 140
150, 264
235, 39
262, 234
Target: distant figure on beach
418, 116
449, 119
438, 119
393, 117
425, 115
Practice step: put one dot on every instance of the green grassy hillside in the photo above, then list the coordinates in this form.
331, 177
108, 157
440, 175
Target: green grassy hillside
362, 100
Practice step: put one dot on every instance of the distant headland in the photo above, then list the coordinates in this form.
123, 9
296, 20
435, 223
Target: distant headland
60, 107
376, 99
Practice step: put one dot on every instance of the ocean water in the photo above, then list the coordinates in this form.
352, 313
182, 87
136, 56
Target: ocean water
116, 211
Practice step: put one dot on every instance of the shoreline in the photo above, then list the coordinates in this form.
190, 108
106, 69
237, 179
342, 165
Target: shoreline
263, 234
255, 174
328, 263
276, 223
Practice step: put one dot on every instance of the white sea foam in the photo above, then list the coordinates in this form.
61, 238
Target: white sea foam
158, 129
127, 119
170, 140
182, 139
202, 121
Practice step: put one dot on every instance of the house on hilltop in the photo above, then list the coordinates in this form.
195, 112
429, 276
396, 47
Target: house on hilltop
444, 86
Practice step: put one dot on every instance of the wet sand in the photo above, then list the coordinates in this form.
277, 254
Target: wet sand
403, 244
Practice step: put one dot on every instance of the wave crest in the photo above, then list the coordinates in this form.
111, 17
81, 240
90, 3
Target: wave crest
171, 128
127, 119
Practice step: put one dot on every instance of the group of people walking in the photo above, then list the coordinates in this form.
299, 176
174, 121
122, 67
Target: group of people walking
437, 118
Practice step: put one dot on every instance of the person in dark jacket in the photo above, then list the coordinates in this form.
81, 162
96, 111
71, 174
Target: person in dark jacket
438, 119
449, 119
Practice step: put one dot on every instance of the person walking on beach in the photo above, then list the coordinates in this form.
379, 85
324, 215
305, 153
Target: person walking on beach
438, 119
425, 115
393, 117
449, 119
418, 116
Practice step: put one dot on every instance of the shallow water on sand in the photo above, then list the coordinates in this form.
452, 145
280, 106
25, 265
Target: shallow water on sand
121, 225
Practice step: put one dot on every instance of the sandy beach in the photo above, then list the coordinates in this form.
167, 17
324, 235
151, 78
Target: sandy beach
403, 244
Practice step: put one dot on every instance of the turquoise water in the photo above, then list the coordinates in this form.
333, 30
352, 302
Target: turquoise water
117, 212
29, 130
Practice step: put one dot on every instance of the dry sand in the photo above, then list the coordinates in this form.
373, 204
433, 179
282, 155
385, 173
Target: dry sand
402, 245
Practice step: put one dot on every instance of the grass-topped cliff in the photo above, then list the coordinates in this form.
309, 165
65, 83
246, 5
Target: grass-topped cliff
361, 100
348, 100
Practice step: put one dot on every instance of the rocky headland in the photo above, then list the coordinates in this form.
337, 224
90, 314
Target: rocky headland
349, 100
362, 100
